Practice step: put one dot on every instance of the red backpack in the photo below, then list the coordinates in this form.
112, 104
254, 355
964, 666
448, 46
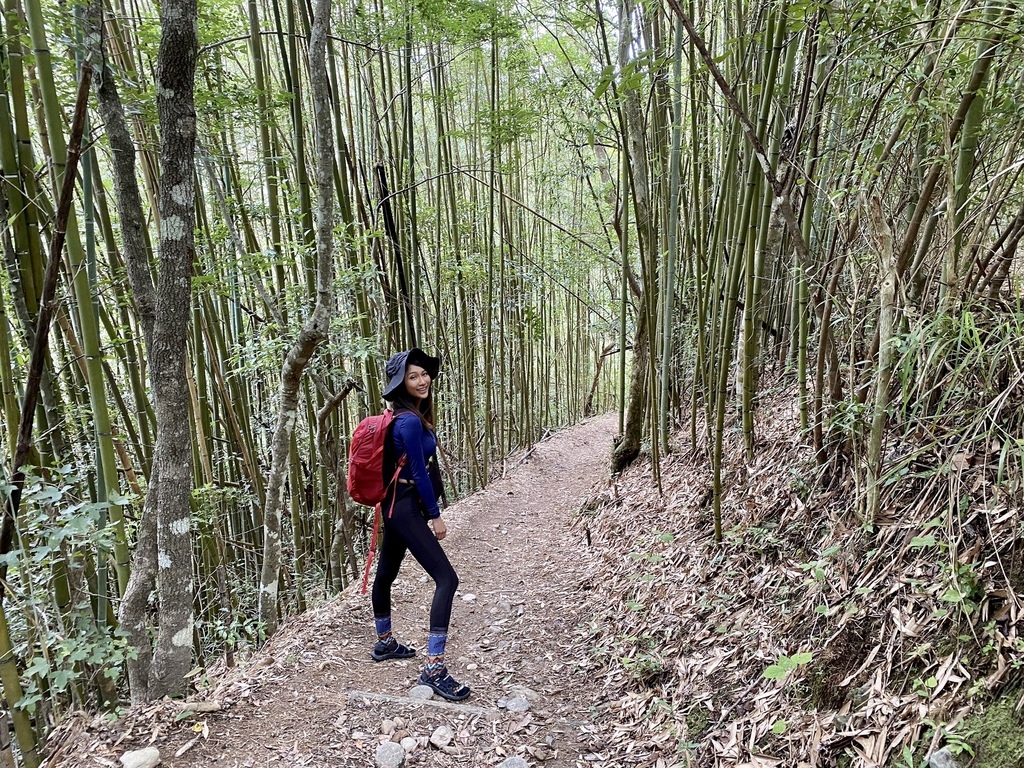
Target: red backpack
366, 460
366, 472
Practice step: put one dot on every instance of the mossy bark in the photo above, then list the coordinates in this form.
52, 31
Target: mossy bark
628, 447
133, 610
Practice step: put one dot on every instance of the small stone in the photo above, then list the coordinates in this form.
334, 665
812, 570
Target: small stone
390, 755
421, 693
469, 597
141, 758
442, 736
471, 667
388, 727
858, 697
517, 704
513, 762
942, 759
409, 743
504, 606
526, 693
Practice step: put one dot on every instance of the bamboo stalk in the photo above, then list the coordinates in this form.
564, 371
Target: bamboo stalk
887, 310
8, 666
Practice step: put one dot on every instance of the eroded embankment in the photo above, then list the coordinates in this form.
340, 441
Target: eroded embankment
804, 637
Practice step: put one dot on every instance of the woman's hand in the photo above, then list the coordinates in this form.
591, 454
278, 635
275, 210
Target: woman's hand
439, 528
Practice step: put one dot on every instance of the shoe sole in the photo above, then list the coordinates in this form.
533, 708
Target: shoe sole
444, 694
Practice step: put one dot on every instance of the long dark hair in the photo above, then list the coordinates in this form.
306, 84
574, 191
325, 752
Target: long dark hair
404, 402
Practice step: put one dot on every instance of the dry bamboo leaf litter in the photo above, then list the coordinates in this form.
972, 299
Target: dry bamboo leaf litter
684, 630
288, 703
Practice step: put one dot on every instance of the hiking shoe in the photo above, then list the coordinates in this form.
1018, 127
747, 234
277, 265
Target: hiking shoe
445, 685
391, 649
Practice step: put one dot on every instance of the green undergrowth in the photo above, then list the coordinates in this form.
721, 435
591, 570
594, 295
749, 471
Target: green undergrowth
997, 733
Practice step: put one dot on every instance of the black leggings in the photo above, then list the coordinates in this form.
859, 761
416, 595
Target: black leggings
407, 530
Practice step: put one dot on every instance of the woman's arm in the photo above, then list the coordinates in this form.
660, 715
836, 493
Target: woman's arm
410, 436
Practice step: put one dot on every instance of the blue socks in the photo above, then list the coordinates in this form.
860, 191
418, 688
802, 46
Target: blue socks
435, 654
383, 627
436, 643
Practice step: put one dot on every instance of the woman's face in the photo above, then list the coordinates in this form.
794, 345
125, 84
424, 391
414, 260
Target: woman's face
417, 382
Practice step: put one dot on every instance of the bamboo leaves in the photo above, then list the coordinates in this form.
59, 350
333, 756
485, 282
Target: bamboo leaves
681, 189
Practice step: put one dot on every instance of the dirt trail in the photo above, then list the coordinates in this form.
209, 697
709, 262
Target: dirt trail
298, 701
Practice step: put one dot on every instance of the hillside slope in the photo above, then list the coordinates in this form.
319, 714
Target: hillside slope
805, 638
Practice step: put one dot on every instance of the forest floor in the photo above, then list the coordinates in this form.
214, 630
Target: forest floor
313, 697
601, 625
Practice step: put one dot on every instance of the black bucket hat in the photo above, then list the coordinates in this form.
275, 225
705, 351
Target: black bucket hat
396, 366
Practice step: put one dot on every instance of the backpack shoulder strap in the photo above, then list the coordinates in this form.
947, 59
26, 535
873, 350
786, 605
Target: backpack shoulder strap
389, 452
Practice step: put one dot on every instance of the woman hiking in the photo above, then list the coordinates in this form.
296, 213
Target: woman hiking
412, 522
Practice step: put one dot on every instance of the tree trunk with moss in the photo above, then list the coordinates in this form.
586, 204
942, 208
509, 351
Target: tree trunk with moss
628, 447
637, 180
133, 611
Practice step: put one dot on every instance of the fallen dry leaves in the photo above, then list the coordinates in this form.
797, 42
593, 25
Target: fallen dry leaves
900, 626
646, 640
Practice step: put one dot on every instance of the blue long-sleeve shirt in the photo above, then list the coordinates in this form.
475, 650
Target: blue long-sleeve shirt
419, 445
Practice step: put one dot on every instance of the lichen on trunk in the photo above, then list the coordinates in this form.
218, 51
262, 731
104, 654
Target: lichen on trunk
175, 83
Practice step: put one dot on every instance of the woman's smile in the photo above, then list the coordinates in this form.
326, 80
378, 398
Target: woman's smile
417, 382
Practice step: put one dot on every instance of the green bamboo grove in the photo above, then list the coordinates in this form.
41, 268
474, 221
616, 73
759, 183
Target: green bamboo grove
664, 208
442, 238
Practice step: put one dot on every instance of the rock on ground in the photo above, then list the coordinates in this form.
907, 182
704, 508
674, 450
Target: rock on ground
942, 759
141, 758
390, 755
515, 704
442, 736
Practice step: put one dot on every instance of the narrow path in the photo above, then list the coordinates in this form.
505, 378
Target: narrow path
298, 702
